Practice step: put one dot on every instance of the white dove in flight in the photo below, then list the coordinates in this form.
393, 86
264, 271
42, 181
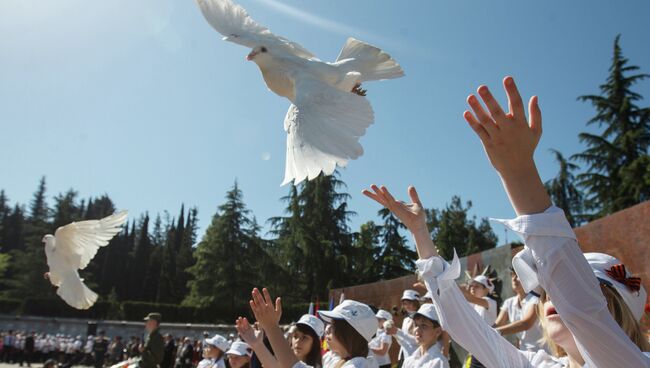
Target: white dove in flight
71, 248
328, 112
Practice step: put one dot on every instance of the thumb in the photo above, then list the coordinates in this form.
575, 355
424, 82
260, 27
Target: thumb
413, 194
535, 115
278, 305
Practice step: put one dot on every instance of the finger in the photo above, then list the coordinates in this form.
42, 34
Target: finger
379, 193
476, 126
535, 115
483, 117
267, 297
515, 104
373, 196
413, 194
387, 195
258, 299
278, 305
491, 103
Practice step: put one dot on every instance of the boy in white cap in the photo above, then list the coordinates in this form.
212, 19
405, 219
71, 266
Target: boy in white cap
239, 354
477, 294
214, 352
410, 304
381, 343
427, 333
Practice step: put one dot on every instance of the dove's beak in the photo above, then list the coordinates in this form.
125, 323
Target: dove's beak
251, 56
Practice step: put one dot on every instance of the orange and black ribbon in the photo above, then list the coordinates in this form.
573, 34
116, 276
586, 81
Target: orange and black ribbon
618, 273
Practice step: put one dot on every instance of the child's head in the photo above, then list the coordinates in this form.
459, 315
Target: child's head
305, 341
383, 316
410, 301
215, 347
481, 286
352, 326
427, 327
625, 300
515, 283
239, 355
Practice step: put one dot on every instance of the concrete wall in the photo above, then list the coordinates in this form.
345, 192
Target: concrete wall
74, 327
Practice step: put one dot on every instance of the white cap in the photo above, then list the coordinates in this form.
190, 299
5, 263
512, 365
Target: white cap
427, 296
611, 271
410, 295
485, 281
524, 265
312, 322
384, 314
358, 315
219, 341
428, 311
240, 348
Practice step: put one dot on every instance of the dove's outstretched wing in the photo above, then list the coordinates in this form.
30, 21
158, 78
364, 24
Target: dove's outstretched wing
78, 242
234, 23
323, 129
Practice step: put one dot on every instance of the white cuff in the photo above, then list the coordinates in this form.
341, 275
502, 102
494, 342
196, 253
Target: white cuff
436, 269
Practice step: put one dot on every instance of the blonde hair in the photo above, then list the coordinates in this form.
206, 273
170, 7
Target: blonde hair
617, 308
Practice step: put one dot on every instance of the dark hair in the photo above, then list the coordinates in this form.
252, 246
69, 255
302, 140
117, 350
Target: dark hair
355, 344
419, 316
314, 358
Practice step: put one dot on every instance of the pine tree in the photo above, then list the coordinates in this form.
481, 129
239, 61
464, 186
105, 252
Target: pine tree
395, 259
563, 191
617, 160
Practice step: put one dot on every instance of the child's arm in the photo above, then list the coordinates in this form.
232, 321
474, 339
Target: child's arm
256, 341
268, 316
510, 141
524, 324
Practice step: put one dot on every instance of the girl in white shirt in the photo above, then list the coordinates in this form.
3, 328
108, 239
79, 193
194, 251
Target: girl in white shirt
381, 343
214, 352
596, 324
351, 326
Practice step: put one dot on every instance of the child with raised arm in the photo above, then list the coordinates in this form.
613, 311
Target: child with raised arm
592, 308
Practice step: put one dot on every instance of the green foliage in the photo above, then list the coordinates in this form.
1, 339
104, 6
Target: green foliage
563, 191
451, 227
616, 158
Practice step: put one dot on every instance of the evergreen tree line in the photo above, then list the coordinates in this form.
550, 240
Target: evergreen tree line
613, 171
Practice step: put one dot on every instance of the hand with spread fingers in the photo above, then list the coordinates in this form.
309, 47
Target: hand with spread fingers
250, 335
510, 140
266, 313
411, 214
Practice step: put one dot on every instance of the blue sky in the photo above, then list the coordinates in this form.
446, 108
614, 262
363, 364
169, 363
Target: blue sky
143, 101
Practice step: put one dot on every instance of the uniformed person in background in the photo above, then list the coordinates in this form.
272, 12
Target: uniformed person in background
100, 347
153, 351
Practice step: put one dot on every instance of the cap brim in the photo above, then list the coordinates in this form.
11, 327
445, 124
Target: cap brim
328, 316
425, 316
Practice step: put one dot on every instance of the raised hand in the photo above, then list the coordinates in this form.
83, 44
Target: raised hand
509, 138
411, 214
266, 313
250, 335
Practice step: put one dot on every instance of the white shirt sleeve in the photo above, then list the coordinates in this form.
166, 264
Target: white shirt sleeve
568, 279
461, 321
406, 341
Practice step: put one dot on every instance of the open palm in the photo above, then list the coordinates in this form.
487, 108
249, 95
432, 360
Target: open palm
411, 214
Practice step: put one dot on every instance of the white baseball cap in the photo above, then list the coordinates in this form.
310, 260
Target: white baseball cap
485, 281
384, 314
426, 296
411, 295
612, 272
240, 348
219, 341
312, 322
427, 310
358, 315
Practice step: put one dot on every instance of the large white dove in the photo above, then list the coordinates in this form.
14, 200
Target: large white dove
71, 248
328, 112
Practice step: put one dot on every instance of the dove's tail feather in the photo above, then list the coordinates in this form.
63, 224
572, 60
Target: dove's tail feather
74, 292
370, 61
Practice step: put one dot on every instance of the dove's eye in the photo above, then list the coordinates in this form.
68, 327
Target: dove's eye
263, 49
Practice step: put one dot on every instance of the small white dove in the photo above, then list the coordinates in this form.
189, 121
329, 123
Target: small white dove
328, 112
71, 248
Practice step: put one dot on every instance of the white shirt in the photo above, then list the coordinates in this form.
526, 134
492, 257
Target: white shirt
568, 279
211, 363
489, 315
529, 339
381, 338
357, 362
432, 358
